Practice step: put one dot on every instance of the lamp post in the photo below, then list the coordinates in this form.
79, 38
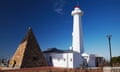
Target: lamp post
109, 40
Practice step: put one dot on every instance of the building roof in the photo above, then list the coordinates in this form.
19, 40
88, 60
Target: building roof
55, 50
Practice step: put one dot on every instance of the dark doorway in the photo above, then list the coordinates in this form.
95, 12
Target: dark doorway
50, 60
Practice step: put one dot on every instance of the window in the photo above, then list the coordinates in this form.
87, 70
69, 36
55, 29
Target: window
71, 59
64, 59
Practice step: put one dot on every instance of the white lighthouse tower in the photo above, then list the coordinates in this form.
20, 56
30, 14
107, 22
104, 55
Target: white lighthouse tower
76, 57
77, 41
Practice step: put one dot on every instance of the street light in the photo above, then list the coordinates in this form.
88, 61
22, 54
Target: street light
109, 40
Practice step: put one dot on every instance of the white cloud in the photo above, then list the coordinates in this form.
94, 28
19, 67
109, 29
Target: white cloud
59, 10
58, 6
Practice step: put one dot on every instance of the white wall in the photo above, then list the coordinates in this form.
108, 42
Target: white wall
77, 39
91, 61
69, 60
77, 60
64, 60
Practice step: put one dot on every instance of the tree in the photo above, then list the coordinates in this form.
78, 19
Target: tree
116, 59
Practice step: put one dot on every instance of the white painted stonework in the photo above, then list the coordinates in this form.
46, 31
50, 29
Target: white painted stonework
77, 41
60, 59
64, 60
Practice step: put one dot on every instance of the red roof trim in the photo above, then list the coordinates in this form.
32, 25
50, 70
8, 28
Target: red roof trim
77, 6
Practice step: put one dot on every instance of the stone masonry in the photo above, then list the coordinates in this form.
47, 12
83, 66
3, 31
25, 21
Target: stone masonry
28, 53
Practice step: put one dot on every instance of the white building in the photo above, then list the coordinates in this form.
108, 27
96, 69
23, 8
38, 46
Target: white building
75, 57
61, 58
90, 59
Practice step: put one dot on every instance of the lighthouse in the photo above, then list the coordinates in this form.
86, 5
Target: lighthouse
77, 39
76, 57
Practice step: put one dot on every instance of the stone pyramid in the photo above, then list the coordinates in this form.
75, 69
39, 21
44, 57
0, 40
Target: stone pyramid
28, 53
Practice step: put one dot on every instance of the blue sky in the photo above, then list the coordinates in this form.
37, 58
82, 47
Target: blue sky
51, 22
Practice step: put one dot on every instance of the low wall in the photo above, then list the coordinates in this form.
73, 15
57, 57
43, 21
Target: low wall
111, 69
51, 69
